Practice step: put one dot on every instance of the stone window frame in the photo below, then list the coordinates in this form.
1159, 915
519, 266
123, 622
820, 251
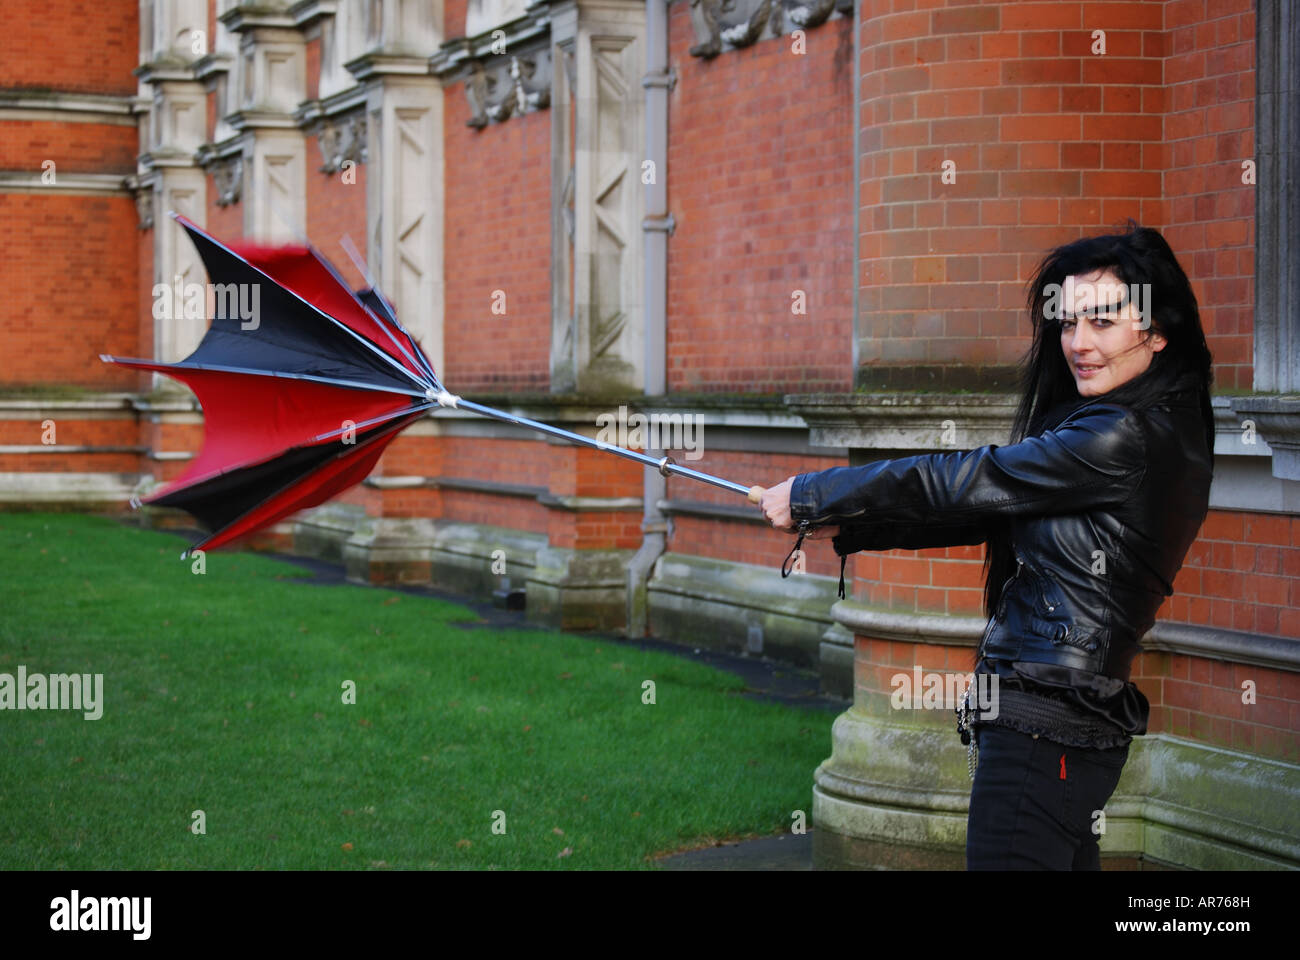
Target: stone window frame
1277, 209
1275, 406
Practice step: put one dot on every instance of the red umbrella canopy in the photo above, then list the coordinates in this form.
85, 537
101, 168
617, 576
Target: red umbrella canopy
303, 383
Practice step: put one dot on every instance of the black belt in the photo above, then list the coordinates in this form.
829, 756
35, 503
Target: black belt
1053, 719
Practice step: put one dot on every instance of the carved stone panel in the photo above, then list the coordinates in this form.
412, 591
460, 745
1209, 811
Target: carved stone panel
730, 24
404, 121
597, 340
501, 87
228, 178
342, 139
182, 190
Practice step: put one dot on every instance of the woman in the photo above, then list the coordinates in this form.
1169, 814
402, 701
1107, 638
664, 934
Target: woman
1087, 516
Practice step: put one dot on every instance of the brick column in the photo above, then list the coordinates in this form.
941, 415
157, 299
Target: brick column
990, 133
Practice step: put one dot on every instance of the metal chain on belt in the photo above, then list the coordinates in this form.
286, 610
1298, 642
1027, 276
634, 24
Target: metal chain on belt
967, 733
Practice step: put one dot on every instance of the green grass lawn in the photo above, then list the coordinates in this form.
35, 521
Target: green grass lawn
223, 693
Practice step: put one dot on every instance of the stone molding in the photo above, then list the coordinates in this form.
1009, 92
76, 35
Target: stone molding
1278, 422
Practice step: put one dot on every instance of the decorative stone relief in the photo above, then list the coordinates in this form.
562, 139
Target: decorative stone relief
501, 87
181, 190
564, 370
731, 24
342, 139
404, 183
597, 336
144, 207
228, 177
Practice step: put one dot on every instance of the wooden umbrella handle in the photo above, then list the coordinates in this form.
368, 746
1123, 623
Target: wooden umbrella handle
756, 494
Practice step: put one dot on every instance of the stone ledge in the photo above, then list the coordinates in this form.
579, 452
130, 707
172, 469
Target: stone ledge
36, 490
1278, 422
742, 608
904, 421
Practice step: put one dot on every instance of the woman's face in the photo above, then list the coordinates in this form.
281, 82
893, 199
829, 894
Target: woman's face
1105, 346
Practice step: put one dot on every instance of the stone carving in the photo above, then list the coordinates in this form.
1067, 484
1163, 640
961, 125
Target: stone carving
228, 178
502, 87
144, 207
564, 372
342, 139
812, 15
747, 31
740, 23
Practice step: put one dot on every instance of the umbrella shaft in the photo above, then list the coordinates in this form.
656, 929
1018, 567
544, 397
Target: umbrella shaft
658, 464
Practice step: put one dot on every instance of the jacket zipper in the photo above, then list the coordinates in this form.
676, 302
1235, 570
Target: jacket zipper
1040, 586
1002, 600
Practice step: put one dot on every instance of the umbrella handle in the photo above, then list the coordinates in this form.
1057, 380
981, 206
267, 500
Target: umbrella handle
756, 494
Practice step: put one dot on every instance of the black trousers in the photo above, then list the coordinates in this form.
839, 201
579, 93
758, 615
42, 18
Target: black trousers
1034, 802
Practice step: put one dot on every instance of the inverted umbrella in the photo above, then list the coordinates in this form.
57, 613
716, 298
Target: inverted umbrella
302, 386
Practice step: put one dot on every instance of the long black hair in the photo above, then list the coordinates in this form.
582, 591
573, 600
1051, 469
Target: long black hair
1140, 255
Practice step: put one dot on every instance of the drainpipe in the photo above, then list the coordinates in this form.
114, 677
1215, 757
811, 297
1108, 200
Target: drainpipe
656, 227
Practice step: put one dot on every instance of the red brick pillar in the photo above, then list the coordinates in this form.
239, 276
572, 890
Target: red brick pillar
992, 132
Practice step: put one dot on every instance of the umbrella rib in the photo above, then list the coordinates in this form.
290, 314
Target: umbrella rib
252, 372
373, 420
195, 481
392, 320
373, 348
380, 323
350, 249
419, 354
215, 533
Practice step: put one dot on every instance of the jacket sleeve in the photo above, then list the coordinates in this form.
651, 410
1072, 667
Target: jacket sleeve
1093, 459
901, 536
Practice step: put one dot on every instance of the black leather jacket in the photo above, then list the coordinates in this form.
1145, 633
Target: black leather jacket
1102, 511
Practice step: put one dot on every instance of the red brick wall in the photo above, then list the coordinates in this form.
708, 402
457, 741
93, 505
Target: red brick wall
497, 225
1202, 699
760, 183
517, 513
312, 52
70, 45
65, 258
225, 223
335, 209
74, 147
1050, 142
1209, 130
453, 18
171, 438
945, 580
70, 432
1243, 573
736, 539
1190, 696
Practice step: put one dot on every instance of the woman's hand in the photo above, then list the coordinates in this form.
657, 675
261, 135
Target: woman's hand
776, 510
775, 506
